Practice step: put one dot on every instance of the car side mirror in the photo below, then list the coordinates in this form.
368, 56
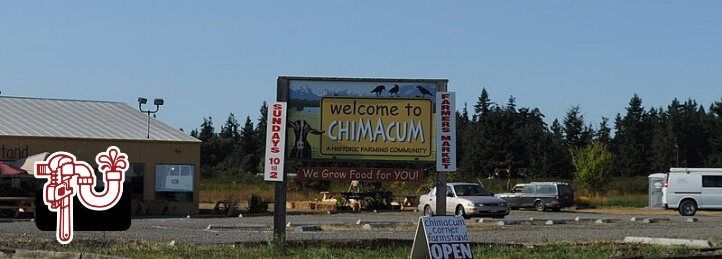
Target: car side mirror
449, 195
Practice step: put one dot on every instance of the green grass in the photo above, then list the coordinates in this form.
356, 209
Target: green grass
628, 200
353, 249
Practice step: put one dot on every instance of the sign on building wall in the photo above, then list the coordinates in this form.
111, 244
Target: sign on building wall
446, 131
275, 142
362, 119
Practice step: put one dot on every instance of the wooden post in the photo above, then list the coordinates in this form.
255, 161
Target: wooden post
279, 188
441, 86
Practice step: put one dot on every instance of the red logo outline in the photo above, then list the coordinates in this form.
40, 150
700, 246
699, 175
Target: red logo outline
68, 177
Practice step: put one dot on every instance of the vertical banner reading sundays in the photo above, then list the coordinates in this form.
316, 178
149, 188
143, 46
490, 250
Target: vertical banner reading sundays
446, 132
275, 142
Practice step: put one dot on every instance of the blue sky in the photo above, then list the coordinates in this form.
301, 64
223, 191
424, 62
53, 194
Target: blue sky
213, 58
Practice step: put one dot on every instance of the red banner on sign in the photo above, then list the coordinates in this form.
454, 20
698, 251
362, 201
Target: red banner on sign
360, 174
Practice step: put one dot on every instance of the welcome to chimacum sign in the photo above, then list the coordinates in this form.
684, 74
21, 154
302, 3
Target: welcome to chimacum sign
362, 119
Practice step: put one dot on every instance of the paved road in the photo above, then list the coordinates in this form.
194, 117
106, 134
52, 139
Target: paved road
401, 225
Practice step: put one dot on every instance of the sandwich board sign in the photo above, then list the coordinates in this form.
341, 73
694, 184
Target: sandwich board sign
441, 237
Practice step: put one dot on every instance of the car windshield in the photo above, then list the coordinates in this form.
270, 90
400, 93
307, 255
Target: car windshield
470, 190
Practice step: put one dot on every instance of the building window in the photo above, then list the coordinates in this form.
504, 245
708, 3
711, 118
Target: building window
134, 181
174, 182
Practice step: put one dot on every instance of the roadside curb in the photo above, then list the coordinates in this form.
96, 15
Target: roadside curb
237, 226
23, 253
669, 241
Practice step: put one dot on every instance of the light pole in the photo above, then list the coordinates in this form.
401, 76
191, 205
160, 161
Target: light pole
158, 102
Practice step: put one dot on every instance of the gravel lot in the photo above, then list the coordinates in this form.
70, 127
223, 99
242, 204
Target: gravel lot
402, 226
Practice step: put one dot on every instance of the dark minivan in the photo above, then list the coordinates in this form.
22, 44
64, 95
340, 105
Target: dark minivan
540, 195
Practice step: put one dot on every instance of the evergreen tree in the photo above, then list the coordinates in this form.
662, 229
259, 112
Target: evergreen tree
227, 142
633, 141
691, 135
557, 157
207, 130
604, 134
260, 133
471, 154
557, 131
248, 148
482, 106
575, 133
714, 127
209, 148
462, 123
663, 144
260, 130
230, 129
532, 135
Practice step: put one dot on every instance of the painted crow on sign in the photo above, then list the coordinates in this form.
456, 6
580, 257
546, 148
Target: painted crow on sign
394, 90
378, 90
424, 92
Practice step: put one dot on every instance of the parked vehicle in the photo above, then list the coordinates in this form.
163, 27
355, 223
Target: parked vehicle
540, 195
466, 200
690, 189
177, 178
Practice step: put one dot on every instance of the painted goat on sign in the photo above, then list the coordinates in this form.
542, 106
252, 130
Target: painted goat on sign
301, 128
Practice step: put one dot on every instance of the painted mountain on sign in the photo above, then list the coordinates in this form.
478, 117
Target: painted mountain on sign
303, 93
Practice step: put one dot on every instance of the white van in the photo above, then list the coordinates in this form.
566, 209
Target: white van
178, 178
690, 189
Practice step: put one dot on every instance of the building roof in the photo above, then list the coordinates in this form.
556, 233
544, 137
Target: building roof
38, 117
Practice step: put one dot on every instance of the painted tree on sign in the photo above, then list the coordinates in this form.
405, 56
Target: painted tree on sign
593, 165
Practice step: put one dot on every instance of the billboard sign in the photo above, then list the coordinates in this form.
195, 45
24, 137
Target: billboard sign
362, 119
376, 127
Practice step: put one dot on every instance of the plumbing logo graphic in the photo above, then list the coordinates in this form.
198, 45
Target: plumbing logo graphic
68, 177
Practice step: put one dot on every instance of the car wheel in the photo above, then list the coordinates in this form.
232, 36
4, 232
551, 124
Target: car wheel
427, 211
460, 212
540, 206
687, 208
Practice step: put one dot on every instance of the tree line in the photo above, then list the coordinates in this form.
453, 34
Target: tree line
505, 140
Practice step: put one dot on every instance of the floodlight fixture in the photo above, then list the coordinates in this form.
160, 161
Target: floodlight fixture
157, 102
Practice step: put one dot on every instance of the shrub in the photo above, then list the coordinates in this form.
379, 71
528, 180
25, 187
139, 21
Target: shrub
229, 202
583, 202
633, 201
256, 204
